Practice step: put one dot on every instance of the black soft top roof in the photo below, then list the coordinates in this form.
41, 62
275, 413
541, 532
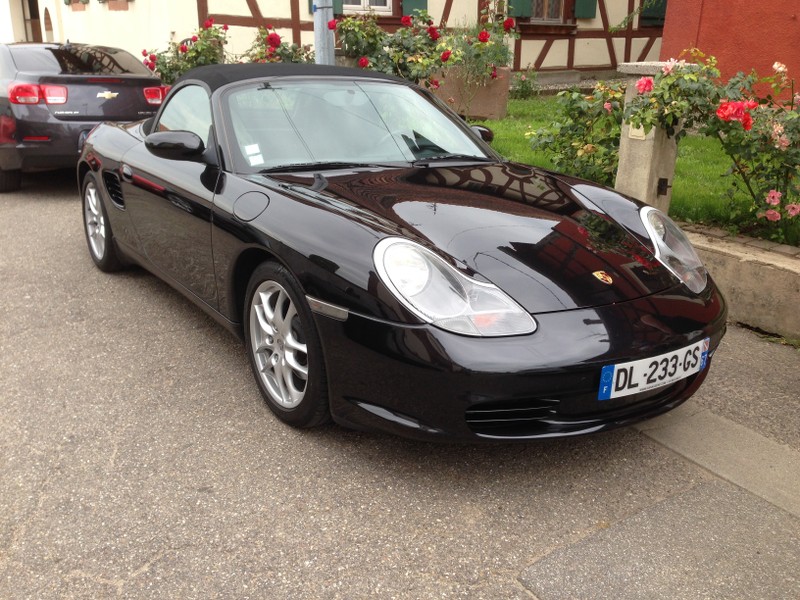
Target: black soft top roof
216, 76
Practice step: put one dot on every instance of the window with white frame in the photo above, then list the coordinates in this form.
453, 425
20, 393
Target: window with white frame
548, 10
379, 6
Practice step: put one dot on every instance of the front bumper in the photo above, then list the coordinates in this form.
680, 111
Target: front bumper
425, 383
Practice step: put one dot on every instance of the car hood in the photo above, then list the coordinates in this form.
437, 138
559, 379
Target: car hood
528, 231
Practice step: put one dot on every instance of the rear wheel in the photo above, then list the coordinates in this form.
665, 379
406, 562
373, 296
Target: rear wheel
10, 180
284, 348
99, 237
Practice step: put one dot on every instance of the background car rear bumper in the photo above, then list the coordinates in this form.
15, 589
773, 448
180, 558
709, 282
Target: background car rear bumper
424, 383
60, 150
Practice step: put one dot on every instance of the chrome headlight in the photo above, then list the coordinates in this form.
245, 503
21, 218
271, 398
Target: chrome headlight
674, 250
442, 296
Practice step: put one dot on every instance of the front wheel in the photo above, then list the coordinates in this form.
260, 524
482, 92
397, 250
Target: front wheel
99, 237
284, 348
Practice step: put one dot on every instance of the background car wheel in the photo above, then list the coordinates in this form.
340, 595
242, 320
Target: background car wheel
97, 228
284, 348
10, 180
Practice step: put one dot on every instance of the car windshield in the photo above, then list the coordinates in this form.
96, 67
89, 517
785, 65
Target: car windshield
291, 122
76, 59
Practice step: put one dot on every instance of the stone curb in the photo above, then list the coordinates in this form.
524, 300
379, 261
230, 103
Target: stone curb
760, 279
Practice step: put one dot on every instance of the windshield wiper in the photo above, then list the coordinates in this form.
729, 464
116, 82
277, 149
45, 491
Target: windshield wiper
326, 165
421, 162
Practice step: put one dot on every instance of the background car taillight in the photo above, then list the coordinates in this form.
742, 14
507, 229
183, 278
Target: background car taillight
32, 93
155, 95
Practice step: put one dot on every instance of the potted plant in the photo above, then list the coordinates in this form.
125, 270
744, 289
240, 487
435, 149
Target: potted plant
477, 79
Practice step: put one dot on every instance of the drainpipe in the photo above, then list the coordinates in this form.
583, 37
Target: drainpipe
323, 37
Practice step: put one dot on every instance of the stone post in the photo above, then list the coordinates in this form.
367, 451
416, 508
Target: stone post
646, 162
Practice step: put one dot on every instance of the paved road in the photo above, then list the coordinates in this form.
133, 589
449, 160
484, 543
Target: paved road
137, 461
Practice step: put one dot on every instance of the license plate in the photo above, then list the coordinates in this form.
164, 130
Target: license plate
649, 373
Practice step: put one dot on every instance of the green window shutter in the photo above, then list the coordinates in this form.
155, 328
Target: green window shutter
653, 16
585, 9
409, 6
520, 8
338, 7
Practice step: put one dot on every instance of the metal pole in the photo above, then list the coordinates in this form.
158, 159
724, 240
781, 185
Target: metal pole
323, 37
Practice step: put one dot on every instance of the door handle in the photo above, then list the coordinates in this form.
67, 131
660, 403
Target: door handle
126, 172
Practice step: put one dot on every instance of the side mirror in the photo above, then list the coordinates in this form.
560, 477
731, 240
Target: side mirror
487, 135
175, 145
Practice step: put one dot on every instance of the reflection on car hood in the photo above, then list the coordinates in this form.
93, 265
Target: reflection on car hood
523, 229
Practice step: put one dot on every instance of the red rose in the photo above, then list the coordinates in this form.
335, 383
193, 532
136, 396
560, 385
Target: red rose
224, 28
747, 121
194, 38
152, 57
209, 23
483, 36
332, 24
406, 21
184, 48
494, 73
151, 66
508, 24
363, 62
434, 33
434, 83
446, 55
274, 40
144, 52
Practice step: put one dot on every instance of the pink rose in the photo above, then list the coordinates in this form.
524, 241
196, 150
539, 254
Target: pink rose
363, 62
644, 85
774, 197
483, 36
607, 106
434, 83
793, 209
772, 215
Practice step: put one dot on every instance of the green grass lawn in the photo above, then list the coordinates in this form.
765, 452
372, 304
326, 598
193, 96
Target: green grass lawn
701, 192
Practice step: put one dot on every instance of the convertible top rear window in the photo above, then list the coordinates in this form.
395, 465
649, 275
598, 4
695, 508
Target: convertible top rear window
76, 59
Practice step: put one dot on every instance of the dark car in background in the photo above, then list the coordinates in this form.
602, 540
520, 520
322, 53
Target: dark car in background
51, 95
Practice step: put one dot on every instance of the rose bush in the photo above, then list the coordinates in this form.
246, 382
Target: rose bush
205, 47
269, 47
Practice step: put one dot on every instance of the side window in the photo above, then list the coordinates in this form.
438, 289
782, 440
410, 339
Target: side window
188, 110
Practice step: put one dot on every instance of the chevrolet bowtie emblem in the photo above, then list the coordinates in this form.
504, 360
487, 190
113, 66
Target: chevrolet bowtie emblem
107, 95
604, 277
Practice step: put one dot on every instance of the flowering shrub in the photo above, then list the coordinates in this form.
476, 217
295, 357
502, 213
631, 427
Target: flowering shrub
269, 47
413, 52
205, 47
481, 49
523, 85
585, 140
760, 133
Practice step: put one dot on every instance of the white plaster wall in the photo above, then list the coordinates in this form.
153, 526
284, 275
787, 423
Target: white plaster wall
557, 57
529, 51
12, 22
148, 25
591, 53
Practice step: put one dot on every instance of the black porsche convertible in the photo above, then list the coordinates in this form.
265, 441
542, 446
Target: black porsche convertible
390, 271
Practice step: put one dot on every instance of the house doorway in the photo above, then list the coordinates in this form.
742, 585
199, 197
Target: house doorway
33, 26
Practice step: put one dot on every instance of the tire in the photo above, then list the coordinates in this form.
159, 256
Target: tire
284, 348
10, 180
97, 228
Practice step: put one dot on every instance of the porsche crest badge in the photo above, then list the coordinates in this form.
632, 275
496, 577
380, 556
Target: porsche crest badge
604, 277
